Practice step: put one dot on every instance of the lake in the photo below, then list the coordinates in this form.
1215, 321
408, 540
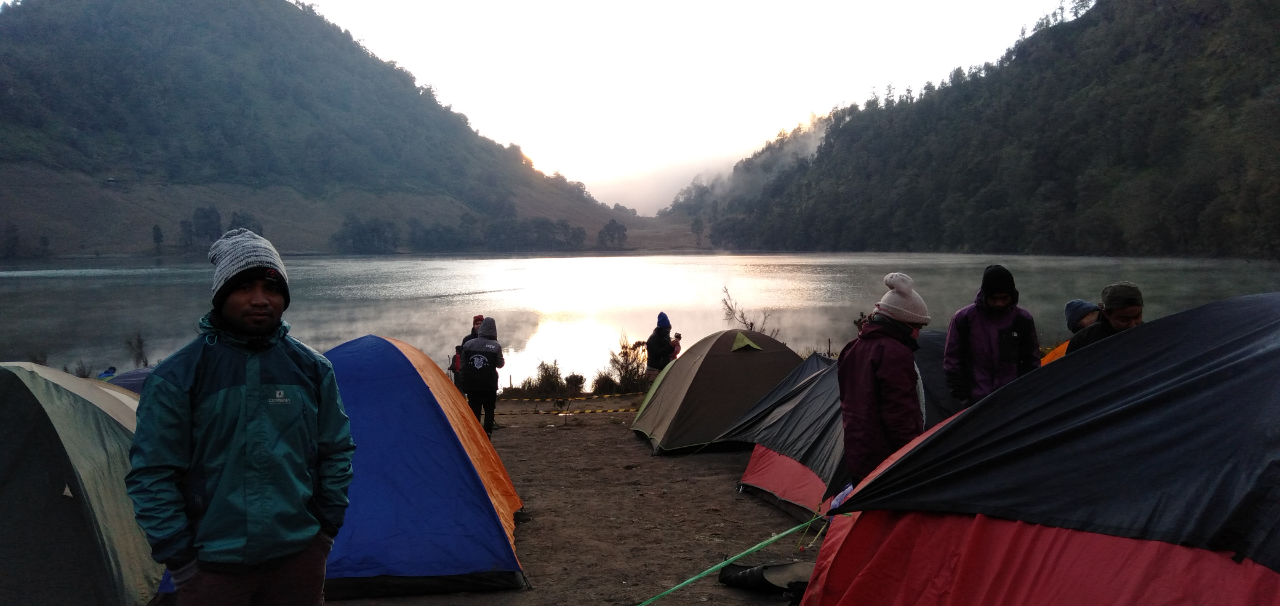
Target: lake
571, 310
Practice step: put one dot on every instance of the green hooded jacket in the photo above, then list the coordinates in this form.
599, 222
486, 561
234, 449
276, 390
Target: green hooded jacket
242, 451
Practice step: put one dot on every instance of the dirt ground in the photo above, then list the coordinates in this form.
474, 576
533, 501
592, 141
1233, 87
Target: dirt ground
612, 524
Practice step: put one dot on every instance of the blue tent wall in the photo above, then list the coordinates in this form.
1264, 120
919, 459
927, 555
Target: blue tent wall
132, 380
418, 507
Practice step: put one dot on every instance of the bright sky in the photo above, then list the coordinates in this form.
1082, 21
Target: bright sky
619, 94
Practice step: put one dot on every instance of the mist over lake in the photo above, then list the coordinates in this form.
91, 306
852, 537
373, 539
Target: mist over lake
571, 310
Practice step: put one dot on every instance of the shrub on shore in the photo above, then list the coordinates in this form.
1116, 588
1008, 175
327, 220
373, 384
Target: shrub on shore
604, 384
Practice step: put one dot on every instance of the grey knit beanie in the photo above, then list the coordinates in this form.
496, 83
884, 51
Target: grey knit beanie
902, 302
235, 255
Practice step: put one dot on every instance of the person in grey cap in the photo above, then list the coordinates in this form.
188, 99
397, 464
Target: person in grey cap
242, 454
1121, 310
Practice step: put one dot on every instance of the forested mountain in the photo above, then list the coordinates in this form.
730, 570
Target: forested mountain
1147, 127
251, 93
706, 196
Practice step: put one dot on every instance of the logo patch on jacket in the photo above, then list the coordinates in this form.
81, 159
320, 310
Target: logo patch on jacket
279, 399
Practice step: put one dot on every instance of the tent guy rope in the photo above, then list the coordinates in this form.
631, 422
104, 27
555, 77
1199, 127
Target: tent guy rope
727, 562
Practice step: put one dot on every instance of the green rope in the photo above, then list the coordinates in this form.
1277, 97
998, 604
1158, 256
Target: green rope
725, 563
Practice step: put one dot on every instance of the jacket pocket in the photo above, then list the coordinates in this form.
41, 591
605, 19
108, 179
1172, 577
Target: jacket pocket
1008, 338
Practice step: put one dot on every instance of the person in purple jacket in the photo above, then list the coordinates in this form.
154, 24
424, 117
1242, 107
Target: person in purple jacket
881, 396
991, 342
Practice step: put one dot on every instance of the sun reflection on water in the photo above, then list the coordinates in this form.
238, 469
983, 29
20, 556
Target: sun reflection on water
570, 310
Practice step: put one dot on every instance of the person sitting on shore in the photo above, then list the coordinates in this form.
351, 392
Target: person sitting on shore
242, 454
1121, 310
658, 348
991, 342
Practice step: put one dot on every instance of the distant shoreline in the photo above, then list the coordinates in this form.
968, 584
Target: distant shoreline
135, 260
200, 257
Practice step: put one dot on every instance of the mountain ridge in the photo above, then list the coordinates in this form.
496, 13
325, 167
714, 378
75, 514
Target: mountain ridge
1138, 128
243, 95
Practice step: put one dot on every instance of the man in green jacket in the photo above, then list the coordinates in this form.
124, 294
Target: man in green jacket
242, 455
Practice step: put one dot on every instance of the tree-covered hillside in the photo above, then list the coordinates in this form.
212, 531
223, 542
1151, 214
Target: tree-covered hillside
706, 196
1147, 127
250, 92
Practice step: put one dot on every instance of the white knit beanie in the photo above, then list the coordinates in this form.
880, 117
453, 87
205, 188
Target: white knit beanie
902, 302
239, 250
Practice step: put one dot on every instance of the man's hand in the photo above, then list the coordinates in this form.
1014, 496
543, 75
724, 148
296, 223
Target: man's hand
184, 573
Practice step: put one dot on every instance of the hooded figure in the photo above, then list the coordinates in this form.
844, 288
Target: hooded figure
881, 397
1077, 310
481, 359
991, 342
658, 347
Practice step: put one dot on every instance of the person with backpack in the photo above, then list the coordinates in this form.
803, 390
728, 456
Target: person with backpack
455, 367
476, 321
481, 359
242, 454
991, 342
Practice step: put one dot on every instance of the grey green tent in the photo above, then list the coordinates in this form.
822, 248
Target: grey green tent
67, 533
710, 387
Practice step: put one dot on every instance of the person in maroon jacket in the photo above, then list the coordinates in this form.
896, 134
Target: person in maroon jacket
881, 397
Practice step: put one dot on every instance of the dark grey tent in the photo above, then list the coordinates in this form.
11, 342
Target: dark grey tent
800, 378
709, 387
67, 533
938, 403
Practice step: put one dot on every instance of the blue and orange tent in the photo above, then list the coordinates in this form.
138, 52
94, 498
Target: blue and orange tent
432, 507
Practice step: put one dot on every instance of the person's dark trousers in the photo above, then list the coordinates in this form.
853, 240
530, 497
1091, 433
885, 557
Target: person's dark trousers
486, 401
296, 580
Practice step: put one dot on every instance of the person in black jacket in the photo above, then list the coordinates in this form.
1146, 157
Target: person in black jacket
1121, 310
481, 359
475, 327
455, 366
659, 347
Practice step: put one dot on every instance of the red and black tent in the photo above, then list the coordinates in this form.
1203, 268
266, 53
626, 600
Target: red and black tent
798, 460
1144, 469
798, 445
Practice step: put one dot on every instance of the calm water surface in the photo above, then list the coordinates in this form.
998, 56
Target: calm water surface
569, 310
